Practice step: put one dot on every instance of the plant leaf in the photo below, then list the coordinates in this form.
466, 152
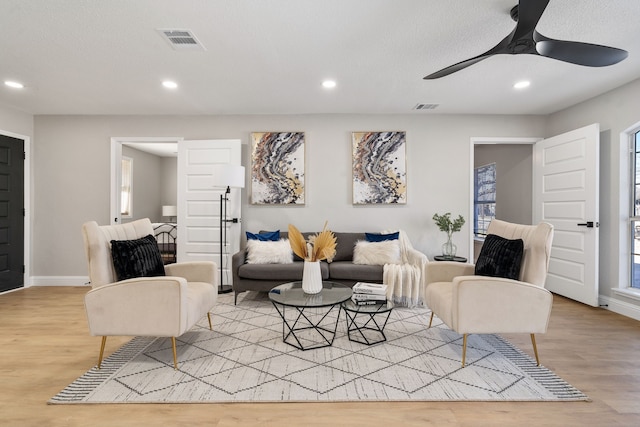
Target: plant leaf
296, 240
325, 245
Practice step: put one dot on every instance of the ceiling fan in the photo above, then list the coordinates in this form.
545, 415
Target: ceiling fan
524, 39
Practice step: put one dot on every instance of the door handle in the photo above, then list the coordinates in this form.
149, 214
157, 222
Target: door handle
588, 224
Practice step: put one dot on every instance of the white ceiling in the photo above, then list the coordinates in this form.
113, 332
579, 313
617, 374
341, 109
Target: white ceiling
270, 56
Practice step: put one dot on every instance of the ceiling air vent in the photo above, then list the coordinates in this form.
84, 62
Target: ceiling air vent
426, 106
181, 39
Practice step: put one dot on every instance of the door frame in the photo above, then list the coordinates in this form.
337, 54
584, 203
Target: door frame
27, 206
487, 141
116, 168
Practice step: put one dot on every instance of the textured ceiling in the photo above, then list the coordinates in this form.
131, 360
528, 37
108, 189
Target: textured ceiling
270, 56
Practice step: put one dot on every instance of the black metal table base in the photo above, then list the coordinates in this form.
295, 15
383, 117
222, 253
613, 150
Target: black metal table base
320, 336
375, 334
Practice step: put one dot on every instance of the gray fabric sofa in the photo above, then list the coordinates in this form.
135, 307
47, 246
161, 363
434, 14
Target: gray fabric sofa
263, 277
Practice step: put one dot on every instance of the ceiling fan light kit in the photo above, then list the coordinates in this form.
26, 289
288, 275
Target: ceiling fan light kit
525, 39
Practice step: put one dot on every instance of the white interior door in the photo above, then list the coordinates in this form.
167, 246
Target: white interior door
566, 190
199, 203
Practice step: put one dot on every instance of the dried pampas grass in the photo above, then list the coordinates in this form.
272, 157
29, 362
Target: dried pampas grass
324, 246
298, 245
320, 246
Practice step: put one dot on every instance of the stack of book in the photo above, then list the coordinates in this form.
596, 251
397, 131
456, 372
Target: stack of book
369, 293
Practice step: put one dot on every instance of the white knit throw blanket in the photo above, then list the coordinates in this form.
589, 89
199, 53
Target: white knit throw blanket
405, 281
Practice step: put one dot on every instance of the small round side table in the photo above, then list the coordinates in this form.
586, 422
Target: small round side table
448, 258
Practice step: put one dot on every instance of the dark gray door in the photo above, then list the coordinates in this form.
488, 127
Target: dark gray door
11, 213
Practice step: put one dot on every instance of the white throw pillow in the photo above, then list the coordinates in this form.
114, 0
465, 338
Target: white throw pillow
377, 253
271, 252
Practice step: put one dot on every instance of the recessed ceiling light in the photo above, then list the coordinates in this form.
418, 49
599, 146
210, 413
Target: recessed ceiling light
169, 84
329, 84
522, 84
15, 85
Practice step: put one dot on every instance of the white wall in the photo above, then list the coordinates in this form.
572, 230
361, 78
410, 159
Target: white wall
73, 152
616, 111
169, 182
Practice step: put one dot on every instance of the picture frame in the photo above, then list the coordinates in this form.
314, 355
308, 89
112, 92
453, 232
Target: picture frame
379, 167
278, 168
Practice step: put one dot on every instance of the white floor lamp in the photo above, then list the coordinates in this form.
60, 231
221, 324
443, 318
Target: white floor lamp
226, 176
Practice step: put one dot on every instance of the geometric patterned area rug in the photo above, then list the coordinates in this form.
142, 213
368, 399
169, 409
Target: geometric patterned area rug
245, 360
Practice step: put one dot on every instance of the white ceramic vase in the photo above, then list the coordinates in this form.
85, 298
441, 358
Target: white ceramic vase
311, 277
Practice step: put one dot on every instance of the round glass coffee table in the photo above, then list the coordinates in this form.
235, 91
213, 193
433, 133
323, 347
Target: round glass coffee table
309, 321
365, 323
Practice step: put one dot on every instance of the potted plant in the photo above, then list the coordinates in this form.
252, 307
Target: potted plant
449, 226
320, 246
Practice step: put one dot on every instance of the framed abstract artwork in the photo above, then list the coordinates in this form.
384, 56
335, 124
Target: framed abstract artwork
277, 168
379, 168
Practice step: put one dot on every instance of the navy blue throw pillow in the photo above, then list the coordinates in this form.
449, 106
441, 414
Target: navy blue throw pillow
377, 237
265, 236
137, 258
500, 257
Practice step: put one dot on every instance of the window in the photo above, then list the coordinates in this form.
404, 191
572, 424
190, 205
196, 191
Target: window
484, 199
635, 212
126, 191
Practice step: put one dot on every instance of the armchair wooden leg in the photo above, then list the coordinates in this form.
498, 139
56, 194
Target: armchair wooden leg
535, 348
464, 348
175, 355
104, 341
209, 317
431, 319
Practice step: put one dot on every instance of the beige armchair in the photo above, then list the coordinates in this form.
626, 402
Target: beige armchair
163, 306
470, 304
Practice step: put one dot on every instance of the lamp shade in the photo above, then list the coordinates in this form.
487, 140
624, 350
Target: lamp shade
168, 210
227, 175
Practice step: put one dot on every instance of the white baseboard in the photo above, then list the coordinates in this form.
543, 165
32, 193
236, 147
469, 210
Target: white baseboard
621, 307
59, 281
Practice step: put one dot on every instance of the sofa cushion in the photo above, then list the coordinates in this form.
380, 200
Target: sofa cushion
137, 258
379, 237
345, 244
284, 272
377, 253
269, 252
264, 236
500, 257
345, 270
285, 235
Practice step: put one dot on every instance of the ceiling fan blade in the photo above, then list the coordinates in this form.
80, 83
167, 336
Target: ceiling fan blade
498, 49
528, 15
456, 67
590, 55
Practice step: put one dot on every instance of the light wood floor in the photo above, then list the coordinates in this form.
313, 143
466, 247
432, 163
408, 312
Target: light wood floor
45, 345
